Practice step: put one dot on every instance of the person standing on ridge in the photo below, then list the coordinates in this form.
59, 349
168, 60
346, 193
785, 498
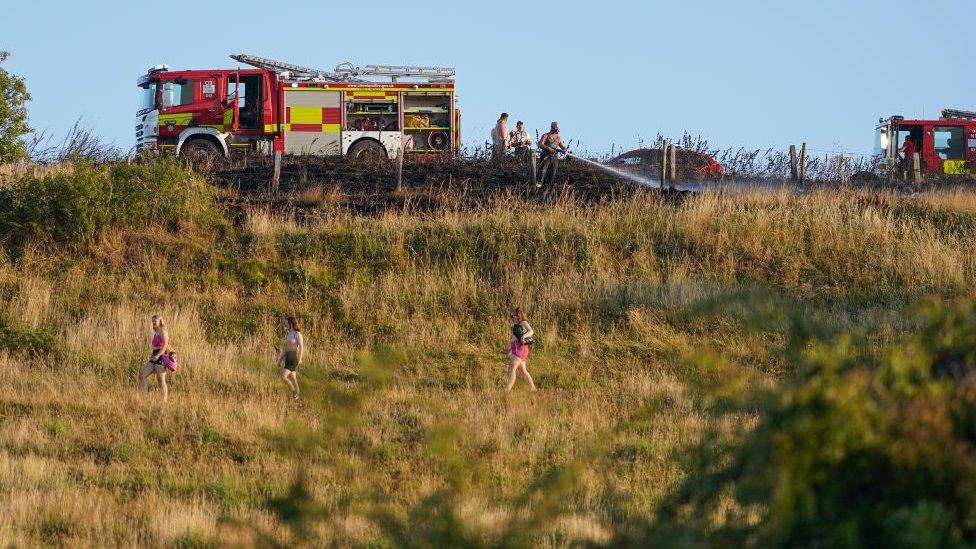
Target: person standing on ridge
499, 137
292, 354
520, 139
518, 349
551, 144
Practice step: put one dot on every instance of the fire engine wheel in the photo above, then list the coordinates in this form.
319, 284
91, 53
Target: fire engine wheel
200, 154
366, 150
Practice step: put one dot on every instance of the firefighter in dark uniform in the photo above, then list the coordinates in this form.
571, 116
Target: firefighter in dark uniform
550, 145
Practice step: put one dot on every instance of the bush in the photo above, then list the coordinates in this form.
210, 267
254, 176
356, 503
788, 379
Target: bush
861, 448
18, 338
75, 206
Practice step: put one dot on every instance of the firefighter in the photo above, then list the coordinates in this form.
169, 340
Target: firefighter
520, 140
551, 144
499, 137
909, 149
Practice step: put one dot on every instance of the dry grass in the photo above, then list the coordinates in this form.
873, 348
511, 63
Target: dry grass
86, 460
10, 172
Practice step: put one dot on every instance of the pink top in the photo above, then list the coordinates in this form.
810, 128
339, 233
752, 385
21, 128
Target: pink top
157, 341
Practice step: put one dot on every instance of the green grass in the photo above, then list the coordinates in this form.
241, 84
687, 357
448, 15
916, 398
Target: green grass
670, 336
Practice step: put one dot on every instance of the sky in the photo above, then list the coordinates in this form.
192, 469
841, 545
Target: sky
747, 73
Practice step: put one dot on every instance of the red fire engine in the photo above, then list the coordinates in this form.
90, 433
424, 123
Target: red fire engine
945, 146
367, 111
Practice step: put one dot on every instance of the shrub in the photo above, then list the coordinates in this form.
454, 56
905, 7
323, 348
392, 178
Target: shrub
861, 448
18, 338
74, 207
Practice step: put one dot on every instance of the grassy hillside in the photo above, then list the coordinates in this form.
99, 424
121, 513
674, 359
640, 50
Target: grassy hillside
662, 323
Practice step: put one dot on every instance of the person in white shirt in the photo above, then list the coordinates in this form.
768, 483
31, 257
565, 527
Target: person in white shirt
520, 139
499, 137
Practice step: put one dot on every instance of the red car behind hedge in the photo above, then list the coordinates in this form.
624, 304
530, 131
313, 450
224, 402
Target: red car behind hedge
691, 164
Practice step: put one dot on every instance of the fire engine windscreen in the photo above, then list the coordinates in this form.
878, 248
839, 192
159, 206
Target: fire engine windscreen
177, 93
147, 100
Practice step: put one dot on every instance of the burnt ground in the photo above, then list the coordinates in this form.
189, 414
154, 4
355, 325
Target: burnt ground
370, 187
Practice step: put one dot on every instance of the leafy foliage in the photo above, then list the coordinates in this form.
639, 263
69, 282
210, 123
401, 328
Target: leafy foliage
13, 114
19, 338
864, 446
74, 207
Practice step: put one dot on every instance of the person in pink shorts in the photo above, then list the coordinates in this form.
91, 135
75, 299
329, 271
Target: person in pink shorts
518, 350
160, 360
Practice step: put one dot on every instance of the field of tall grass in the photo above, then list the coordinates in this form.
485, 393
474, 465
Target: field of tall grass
669, 332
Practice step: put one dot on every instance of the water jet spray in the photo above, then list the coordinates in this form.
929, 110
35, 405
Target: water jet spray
639, 179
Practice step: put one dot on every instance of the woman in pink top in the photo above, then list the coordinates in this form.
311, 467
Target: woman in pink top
518, 349
155, 364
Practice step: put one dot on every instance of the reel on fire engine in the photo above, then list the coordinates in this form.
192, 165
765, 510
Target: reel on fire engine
437, 141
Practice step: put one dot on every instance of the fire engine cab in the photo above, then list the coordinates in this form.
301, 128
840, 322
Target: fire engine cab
367, 111
946, 146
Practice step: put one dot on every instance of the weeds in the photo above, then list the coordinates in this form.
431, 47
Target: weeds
80, 144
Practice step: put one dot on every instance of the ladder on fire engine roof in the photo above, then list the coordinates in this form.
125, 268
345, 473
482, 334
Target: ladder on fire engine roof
952, 114
432, 74
287, 70
347, 72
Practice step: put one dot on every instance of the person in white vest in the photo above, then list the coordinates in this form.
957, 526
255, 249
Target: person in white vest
520, 139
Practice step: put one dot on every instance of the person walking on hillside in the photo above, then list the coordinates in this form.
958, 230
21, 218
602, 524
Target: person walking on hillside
520, 139
161, 358
499, 137
292, 354
551, 144
518, 349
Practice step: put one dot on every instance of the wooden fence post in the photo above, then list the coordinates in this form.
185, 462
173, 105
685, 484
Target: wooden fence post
276, 179
794, 171
917, 167
803, 163
674, 165
532, 166
664, 163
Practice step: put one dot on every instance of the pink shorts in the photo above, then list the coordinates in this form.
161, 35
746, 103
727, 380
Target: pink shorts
520, 351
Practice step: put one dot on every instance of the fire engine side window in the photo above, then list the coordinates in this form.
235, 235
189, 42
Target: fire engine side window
176, 94
232, 87
950, 142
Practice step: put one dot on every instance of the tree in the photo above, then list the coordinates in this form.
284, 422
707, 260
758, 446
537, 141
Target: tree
13, 114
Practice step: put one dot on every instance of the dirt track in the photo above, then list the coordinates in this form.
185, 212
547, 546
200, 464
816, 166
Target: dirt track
370, 187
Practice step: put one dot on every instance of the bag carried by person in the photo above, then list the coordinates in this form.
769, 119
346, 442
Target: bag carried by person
170, 360
518, 330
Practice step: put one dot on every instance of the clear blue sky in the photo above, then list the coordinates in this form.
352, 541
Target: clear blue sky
752, 73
